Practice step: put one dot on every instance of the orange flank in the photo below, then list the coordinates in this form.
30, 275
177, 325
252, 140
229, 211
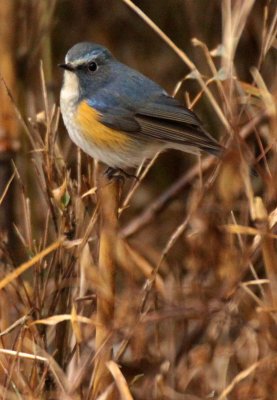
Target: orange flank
95, 132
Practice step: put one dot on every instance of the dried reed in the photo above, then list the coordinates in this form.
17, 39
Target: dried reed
168, 290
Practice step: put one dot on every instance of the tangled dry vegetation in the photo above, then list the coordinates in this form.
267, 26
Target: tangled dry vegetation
176, 300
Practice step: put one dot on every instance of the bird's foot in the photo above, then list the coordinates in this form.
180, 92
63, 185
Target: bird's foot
118, 173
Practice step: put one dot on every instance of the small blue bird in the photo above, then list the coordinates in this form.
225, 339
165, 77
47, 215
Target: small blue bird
119, 116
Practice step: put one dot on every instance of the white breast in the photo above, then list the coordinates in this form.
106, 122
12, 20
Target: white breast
70, 89
68, 103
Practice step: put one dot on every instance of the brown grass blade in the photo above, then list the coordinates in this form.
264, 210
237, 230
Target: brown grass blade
120, 381
25, 266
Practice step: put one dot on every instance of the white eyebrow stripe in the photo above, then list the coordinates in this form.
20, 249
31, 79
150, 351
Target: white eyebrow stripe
75, 63
82, 60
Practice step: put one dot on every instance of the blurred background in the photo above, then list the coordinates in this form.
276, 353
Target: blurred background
198, 220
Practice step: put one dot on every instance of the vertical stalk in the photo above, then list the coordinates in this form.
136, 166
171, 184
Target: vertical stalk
108, 205
268, 249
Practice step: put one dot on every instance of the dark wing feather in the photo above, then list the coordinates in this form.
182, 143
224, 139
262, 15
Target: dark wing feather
164, 120
173, 123
170, 110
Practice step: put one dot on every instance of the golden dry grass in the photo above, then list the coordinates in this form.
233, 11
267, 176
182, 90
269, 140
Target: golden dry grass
157, 294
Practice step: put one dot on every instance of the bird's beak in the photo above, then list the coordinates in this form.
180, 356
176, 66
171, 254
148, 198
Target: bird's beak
68, 67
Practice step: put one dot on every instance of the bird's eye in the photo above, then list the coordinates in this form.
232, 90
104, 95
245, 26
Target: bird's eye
92, 66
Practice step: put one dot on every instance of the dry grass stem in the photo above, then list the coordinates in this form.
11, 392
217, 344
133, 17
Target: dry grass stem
163, 288
120, 381
109, 205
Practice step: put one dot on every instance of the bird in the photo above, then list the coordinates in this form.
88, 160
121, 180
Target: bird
120, 117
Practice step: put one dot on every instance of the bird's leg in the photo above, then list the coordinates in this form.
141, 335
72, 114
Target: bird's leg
118, 173
112, 173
